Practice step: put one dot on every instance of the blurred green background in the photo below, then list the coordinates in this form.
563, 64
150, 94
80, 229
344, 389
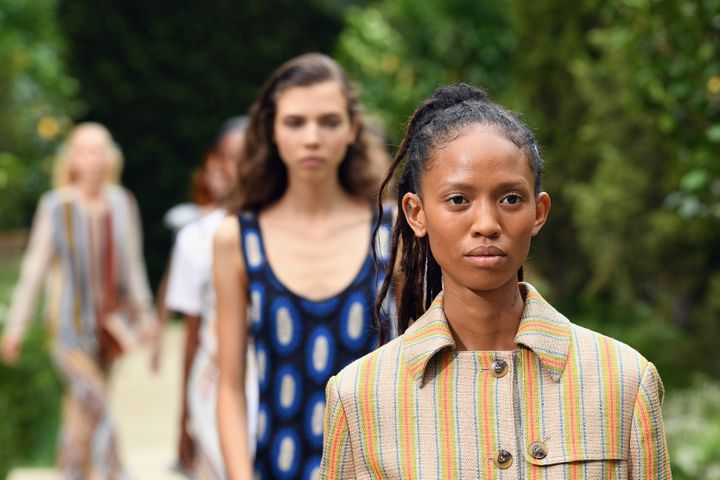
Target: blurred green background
624, 96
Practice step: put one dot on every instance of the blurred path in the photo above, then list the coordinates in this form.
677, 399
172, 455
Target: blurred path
146, 410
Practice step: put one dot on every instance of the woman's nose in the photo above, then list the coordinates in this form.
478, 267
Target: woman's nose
311, 135
485, 221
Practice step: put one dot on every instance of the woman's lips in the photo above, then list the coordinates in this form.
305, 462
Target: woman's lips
486, 256
312, 161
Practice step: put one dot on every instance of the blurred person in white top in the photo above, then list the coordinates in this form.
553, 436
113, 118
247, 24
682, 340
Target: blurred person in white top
191, 293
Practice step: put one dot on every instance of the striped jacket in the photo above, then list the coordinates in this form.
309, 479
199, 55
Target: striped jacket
568, 403
79, 256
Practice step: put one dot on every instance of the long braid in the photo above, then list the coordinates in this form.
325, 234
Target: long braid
415, 251
390, 269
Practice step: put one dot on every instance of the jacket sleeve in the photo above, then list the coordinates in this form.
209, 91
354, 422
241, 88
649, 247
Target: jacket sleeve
138, 286
648, 457
337, 459
35, 264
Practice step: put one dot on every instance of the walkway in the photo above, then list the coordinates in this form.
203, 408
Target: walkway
148, 406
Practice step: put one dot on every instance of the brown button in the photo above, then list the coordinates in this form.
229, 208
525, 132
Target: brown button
538, 450
503, 459
498, 368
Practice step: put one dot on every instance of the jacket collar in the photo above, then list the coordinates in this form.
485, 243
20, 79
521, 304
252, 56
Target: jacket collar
542, 329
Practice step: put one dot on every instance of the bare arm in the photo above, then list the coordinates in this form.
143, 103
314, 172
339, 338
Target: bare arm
163, 313
231, 287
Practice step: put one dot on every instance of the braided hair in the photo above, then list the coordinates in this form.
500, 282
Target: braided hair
436, 122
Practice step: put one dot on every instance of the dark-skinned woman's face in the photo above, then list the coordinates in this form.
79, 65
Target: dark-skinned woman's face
478, 208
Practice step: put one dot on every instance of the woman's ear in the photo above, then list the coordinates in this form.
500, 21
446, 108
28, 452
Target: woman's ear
414, 213
542, 209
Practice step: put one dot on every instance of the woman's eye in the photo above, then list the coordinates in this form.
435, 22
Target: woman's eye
331, 122
456, 200
293, 122
512, 199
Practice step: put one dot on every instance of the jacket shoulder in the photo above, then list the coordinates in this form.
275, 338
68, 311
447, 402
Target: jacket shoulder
604, 357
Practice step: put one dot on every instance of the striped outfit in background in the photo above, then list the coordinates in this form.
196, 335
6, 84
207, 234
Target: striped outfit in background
88, 260
569, 403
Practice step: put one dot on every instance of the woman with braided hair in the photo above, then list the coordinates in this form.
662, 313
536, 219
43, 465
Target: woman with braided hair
487, 379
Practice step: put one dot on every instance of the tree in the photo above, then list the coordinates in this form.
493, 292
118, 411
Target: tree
37, 99
648, 214
627, 107
401, 50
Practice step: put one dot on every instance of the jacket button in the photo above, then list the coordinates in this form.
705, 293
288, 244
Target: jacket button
498, 368
503, 459
538, 450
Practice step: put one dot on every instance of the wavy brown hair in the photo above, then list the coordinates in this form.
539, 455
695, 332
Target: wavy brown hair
262, 176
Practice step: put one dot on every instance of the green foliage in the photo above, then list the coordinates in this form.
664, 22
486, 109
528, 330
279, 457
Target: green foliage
36, 100
162, 76
623, 107
551, 41
692, 424
401, 50
637, 326
30, 393
646, 212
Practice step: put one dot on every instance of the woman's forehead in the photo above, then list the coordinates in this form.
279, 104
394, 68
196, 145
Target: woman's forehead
87, 136
315, 99
479, 153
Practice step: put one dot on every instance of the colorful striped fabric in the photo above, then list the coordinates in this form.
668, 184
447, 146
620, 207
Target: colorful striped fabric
567, 404
83, 258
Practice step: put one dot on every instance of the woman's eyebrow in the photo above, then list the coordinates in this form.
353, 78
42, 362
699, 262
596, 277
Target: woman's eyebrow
321, 116
469, 185
457, 184
510, 184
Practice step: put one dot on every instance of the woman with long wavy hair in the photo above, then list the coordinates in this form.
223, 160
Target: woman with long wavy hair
296, 256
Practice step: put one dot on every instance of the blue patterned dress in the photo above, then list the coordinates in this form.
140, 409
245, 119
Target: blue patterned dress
299, 344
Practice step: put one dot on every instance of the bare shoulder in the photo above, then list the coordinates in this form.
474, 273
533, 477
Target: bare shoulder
227, 253
227, 235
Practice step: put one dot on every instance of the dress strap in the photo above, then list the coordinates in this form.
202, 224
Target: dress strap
251, 242
383, 239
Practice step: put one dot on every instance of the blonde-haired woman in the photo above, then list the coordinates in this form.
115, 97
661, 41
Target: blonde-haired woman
86, 244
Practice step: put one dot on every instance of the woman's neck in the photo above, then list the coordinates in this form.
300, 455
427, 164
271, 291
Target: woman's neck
313, 199
88, 190
89, 194
484, 321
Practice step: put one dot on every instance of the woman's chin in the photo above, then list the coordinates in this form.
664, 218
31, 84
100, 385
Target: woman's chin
488, 283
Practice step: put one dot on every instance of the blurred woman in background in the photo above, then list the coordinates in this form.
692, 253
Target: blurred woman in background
293, 270
86, 242
190, 292
187, 289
